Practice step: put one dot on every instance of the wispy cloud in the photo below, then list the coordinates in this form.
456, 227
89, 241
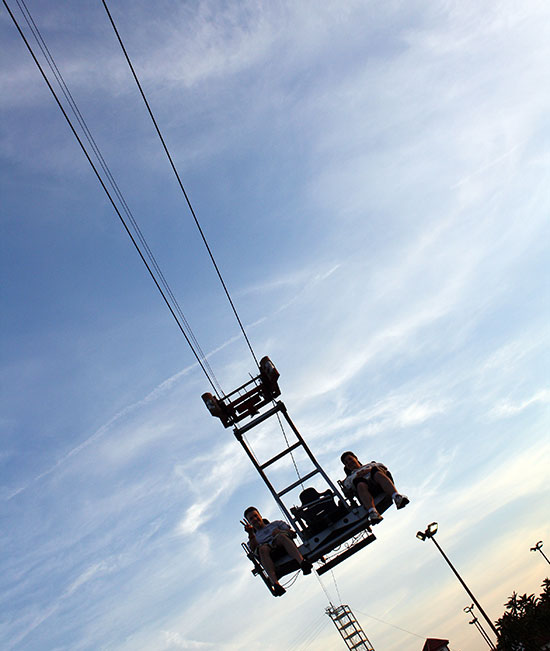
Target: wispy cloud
174, 640
214, 479
508, 409
300, 278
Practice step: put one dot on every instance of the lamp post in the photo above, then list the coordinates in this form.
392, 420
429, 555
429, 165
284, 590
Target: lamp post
475, 620
538, 548
430, 532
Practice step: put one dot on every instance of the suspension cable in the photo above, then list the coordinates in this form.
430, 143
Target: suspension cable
288, 445
188, 338
307, 632
72, 103
324, 588
336, 586
182, 188
362, 613
399, 628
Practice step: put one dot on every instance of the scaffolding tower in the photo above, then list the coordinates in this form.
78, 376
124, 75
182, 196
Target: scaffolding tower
349, 628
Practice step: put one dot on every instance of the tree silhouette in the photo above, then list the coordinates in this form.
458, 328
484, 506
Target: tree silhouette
525, 625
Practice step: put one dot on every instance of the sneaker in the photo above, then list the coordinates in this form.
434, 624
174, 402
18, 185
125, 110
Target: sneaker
306, 566
374, 516
401, 501
278, 590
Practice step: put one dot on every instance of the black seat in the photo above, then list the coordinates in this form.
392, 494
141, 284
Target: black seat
318, 510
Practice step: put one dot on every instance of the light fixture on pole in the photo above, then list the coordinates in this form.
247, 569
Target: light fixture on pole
538, 548
475, 620
430, 532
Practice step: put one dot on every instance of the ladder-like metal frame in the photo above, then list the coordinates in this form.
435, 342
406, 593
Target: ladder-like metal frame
349, 628
239, 435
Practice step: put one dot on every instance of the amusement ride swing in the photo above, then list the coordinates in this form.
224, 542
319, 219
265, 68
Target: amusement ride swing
328, 522
331, 523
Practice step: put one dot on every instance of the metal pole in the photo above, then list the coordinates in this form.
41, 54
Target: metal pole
538, 548
482, 632
493, 628
475, 620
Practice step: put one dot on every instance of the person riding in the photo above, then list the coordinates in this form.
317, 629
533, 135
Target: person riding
370, 480
264, 537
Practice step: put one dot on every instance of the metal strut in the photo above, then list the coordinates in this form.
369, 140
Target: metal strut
277, 494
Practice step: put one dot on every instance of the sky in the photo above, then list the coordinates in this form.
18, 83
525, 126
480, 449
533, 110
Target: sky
373, 180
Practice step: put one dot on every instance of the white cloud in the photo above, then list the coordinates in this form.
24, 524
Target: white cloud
213, 480
174, 640
493, 491
508, 409
90, 573
419, 413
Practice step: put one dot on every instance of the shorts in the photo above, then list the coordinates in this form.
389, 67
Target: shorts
273, 546
275, 552
373, 486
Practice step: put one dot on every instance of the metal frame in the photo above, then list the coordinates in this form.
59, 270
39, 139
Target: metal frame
352, 523
247, 401
281, 408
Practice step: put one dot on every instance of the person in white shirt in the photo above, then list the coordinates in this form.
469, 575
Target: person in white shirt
264, 536
369, 480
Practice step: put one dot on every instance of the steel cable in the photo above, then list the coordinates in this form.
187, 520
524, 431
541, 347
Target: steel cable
98, 175
180, 183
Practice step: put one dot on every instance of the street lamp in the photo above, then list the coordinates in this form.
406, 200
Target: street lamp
538, 548
475, 620
430, 532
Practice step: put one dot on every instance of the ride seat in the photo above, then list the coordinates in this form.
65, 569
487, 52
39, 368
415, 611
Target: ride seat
318, 510
283, 563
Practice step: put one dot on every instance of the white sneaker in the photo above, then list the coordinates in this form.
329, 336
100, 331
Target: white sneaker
401, 501
374, 516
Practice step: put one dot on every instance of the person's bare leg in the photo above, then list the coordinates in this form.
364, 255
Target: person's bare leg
389, 488
365, 496
267, 562
289, 546
291, 549
368, 502
385, 483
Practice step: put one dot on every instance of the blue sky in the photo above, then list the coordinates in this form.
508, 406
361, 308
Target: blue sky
373, 180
